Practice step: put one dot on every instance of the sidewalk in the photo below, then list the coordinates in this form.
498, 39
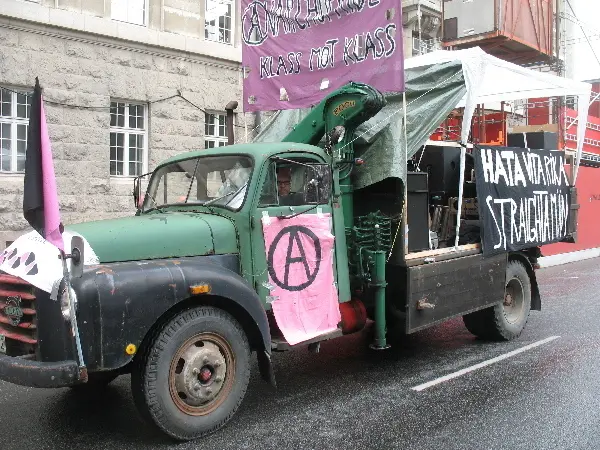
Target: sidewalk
565, 258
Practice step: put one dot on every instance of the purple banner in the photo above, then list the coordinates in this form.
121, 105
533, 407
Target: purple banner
295, 52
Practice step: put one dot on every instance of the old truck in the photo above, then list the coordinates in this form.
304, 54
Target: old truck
181, 294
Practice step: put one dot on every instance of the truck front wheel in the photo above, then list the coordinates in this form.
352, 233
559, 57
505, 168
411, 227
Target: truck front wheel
193, 376
506, 320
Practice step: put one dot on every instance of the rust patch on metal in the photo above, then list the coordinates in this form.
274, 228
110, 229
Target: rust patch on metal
17, 335
13, 293
26, 325
424, 304
10, 279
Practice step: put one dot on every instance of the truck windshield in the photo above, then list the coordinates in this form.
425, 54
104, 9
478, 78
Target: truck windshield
215, 180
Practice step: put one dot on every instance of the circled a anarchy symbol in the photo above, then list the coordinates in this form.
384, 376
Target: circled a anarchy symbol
293, 232
254, 24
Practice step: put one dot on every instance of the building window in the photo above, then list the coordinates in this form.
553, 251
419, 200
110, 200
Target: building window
128, 139
130, 11
215, 130
217, 25
14, 120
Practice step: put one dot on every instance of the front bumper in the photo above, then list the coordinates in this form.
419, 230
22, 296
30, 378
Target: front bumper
26, 372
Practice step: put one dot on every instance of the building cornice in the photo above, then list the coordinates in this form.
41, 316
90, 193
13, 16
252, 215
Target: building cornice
109, 43
73, 26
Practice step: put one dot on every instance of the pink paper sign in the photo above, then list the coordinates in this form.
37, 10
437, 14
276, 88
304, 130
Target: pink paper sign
295, 52
300, 265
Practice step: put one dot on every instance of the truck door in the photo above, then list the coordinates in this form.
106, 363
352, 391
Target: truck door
292, 244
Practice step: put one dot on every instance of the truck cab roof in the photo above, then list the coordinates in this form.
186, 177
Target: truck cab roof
256, 150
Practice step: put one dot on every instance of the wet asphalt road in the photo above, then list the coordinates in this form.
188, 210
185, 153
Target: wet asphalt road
346, 397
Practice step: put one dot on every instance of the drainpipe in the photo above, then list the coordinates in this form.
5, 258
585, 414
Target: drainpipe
229, 108
257, 122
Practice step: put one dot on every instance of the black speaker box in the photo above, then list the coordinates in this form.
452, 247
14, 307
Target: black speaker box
442, 164
539, 140
417, 211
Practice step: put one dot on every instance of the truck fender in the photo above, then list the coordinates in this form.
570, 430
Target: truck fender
123, 303
536, 299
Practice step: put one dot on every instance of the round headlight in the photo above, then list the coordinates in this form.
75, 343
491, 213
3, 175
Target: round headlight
65, 307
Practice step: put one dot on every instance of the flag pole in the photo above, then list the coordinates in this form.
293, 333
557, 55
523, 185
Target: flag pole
41, 207
73, 314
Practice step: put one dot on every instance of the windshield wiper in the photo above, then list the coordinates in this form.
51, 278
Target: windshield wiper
210, 202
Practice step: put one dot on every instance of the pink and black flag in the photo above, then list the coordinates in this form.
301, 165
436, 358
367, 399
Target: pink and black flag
40, 199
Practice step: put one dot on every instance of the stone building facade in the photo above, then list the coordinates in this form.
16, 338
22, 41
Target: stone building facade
111, 72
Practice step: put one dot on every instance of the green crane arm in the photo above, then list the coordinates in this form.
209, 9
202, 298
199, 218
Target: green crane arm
349, 106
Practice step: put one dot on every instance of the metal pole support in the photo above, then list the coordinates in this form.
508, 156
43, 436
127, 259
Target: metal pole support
83, 374
379, 283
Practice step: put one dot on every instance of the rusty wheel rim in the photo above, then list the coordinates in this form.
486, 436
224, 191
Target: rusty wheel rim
514, 301
201, 375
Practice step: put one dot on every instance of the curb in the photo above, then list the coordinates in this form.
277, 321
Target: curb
566, 258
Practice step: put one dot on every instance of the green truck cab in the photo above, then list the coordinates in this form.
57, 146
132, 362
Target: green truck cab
180, 296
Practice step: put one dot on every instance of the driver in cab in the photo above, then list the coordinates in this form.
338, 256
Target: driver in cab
284, 188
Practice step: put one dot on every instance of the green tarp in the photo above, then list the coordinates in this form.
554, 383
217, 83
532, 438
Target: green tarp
431, 94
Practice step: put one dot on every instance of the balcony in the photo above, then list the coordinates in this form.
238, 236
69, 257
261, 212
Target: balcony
512, 30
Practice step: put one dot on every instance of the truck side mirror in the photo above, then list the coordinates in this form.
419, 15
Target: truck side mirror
136, 192
317, 184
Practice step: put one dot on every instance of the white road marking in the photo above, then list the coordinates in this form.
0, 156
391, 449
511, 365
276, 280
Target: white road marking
482, 364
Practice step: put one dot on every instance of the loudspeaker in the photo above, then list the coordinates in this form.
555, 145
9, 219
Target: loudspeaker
417, 211
443, 167
539, 140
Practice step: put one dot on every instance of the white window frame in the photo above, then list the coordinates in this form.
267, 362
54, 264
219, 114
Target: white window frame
215, 137
233, 22
122, 20
13, 120
127, 131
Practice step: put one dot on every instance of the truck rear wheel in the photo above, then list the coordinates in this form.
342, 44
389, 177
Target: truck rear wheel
193, 376
506, 320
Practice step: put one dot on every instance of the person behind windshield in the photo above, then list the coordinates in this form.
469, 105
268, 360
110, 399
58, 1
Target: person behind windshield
284, 188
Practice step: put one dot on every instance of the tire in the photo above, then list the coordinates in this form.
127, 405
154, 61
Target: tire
97, 381
192, 376
506, 320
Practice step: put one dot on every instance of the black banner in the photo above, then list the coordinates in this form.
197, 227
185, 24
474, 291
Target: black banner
33, 195
524, 197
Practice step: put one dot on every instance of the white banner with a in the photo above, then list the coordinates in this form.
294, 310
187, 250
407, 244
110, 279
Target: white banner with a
35, 260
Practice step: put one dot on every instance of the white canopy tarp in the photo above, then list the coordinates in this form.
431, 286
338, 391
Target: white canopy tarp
490, 79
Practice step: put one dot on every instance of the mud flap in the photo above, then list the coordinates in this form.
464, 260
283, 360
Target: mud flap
265, 366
